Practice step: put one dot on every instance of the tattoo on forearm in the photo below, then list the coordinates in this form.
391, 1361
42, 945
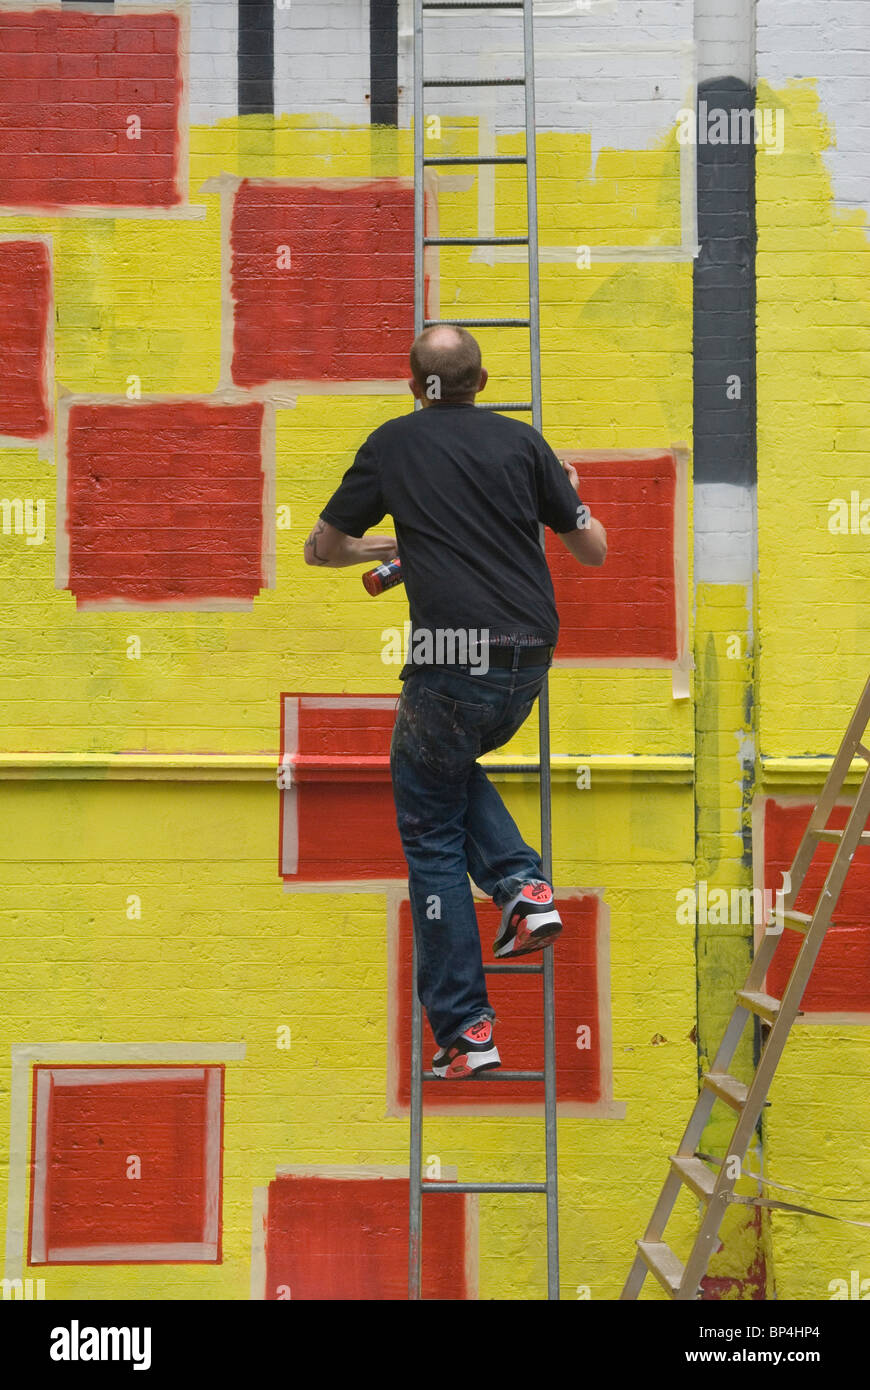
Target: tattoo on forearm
312, 542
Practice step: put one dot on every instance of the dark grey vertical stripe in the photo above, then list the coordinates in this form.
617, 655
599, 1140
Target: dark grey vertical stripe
724, 302
256, 57
384, 61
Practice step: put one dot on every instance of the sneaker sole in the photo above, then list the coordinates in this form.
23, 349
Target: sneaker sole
528, 938
460, 1068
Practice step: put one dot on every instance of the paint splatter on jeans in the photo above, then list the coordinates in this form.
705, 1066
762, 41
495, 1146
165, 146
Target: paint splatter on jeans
453, 823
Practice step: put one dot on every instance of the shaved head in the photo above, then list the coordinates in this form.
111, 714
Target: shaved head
451, 356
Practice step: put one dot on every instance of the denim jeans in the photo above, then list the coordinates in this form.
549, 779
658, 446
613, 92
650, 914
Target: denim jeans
453, 823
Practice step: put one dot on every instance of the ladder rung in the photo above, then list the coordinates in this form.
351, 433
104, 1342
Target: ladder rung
508, 405
480, 323
863, 752
495, 1075
797, 921
695, 1174
474, 5
505, 968
762, 1004
726, 1087
475, 159
484, 1187
836, 835
475, 241
474, 82
663, 1263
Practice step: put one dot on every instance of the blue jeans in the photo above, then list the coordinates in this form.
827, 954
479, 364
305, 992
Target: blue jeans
452, 823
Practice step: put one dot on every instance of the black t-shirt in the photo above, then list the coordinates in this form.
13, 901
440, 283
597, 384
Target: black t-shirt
466, 489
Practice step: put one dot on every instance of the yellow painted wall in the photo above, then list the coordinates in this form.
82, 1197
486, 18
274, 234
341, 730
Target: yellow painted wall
813, 361
221, 954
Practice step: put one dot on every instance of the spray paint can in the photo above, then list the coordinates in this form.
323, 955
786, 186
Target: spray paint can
383, 577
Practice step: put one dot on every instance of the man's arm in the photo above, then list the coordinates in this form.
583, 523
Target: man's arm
328, 546
588, 545
588, 541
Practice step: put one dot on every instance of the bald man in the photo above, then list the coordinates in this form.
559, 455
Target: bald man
467, 490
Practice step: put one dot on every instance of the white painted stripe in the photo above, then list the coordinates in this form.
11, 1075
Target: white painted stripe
18, 1144
289, 808
119, 1052
689, 160
360, 885
602, 255
212, 1157
40, 1163
291, 724
726, 541
290, 844
110, 1076
349, 701
136, 1254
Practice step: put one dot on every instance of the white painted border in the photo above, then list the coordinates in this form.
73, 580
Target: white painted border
230, 397
290, 806
689, 245
19, 1103
181, 211
282, 392
605, 1108
683, 664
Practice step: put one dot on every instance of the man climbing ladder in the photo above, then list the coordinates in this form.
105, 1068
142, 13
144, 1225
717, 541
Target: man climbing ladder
468, 490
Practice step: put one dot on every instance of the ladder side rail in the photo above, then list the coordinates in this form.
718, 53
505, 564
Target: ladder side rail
777, 1038
550, 1110
415, 1162
832, 789
827, 901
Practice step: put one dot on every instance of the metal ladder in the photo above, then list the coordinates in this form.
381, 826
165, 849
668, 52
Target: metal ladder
545, 968
684, 1282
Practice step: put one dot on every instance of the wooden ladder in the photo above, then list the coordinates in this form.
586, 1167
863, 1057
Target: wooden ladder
683, 1282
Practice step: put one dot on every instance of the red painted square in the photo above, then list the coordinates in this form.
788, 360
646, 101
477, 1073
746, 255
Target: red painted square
165, 501
628, 607
25, 307
344, 309
517, 1001
840, 982
341, 777
68, 83
336, 1239
89, 1125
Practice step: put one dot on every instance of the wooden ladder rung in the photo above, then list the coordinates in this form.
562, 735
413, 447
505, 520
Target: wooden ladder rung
762, 1004
695, 1174
797, 921
661, 1261
835, 836
863, 752
727, 1088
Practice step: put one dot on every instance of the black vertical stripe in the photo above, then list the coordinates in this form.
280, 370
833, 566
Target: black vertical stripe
384, 61
725, 431
256, 57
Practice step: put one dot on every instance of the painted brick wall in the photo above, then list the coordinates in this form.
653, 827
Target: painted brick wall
814, 317
148, 914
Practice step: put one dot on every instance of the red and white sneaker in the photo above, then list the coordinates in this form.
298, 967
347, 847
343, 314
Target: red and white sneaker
470, 1052
529, 921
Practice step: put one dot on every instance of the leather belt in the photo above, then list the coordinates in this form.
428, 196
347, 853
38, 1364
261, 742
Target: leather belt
528, 656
